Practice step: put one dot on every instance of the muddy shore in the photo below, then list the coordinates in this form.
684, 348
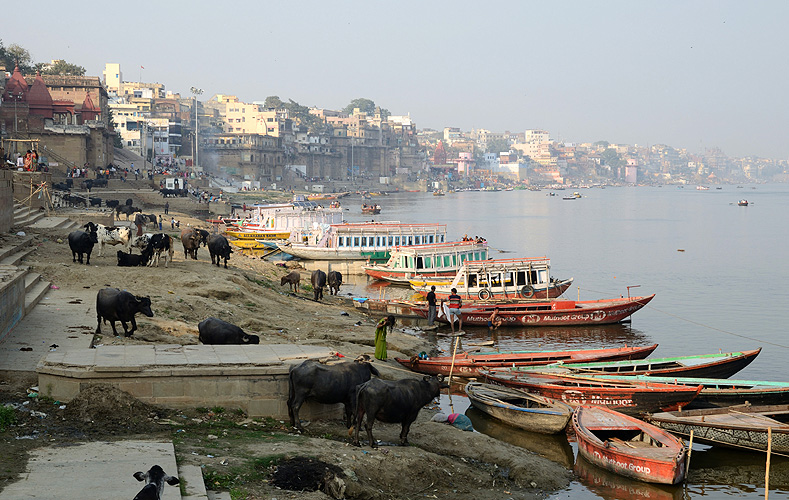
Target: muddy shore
441, 462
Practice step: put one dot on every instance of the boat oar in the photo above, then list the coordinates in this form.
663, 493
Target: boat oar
690, 449
767, 470
452, 366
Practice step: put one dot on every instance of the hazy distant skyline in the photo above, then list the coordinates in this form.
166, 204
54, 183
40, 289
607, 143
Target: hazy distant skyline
690, 74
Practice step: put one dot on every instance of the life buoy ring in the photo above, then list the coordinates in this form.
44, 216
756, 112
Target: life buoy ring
527, 292
484, 294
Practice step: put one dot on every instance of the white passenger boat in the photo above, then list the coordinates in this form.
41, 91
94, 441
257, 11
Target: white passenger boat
360, 241
278, 221
527, 278
433, 260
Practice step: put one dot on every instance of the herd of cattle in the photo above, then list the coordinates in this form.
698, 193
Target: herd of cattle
350, 383
151, 246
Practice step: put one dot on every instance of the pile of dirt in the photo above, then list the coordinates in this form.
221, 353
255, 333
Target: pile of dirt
105, 408
309, 474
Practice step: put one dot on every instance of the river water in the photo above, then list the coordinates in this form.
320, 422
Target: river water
719, 272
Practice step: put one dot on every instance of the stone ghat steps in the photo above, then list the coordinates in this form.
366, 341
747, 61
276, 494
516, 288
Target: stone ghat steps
25, 216
12, 254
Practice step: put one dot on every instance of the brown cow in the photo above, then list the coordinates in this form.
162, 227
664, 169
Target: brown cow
191, 241
292, 279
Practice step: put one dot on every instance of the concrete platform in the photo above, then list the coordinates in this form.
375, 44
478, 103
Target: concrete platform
253, 378
97, 469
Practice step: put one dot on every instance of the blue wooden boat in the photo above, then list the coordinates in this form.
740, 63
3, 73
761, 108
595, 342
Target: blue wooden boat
520, 409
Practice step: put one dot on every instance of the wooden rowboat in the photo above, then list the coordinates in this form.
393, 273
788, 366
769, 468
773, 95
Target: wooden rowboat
520, 409
634, 397
719, 393
548, 312
722, 365
628, 446
468, 364
742, 426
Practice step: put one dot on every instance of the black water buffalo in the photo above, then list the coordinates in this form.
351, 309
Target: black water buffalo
334, 280
129, 202
159, 244
293, 279
318, 281
393, 402
82, 242
125, 209
115, 305
217, 332
154, 479
99, 183
132, 260
326, 384
219, 247
112, 203
94, 201
87, 184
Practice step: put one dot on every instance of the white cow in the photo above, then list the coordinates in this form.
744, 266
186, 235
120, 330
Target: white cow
108, 235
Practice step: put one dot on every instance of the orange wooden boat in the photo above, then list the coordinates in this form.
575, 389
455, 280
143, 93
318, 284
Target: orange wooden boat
468, 364
628, 446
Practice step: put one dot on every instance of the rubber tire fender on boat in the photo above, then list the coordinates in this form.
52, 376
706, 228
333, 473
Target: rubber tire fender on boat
527, 291
484, 294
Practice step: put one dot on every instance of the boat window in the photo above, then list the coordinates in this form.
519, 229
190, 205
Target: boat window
442, 238
341, 241
356, 241
472, 280
410, 240
454, 260
428, 262
410, 262
484, 254
463, 258
447, 262
397, 240
419, 263
417, 240
495, 280
391, 241
431, 238
533, 277
520, 278
364, 241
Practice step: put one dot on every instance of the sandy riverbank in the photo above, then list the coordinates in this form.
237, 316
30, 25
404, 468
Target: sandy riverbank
441, 462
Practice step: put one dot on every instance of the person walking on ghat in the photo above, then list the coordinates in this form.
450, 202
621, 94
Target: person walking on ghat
160, 222
167, 208
431, 305
455, 303
380, 336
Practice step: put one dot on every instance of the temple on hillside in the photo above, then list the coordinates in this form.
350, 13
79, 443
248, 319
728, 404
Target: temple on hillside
67, 115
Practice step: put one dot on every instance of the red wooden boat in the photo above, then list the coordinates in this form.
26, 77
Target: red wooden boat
634, 397
548, 312
628, 446
468, 364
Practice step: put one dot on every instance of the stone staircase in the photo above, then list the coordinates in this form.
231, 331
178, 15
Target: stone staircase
35, 285
20, 288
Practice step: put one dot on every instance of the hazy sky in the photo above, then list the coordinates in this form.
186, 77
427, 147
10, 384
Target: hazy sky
691, 74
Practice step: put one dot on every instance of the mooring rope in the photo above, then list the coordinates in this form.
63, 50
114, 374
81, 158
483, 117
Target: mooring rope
705, 325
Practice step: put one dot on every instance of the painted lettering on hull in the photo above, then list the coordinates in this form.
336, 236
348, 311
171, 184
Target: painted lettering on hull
630, 466
580, 398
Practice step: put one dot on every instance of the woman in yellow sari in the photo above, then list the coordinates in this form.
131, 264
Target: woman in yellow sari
380, 336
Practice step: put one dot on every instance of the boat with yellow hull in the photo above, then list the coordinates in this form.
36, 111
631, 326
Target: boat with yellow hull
258, 235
